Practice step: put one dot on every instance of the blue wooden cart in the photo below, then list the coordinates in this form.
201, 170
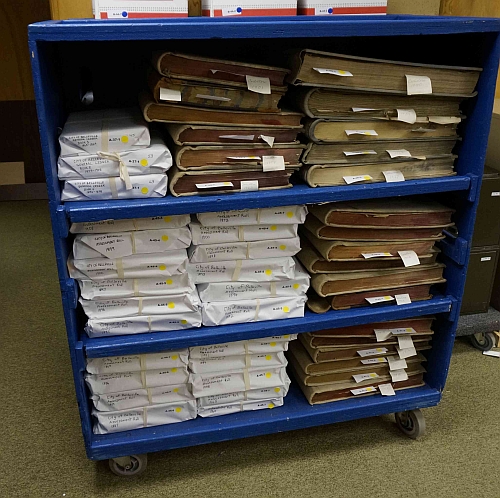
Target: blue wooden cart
71, 57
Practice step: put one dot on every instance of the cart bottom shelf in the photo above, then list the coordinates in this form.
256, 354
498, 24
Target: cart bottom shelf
295, 414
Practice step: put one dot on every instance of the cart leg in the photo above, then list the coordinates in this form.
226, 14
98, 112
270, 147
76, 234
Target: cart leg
128, 466
482, 341
412, 423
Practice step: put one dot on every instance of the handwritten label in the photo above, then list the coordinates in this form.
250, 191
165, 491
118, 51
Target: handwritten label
382, 334
418, 85
409, 258
396, 363
335, 72
393, 176
398, 153
249, 185
405, 341
403, 331
362, 377
358, 178
386, 390
259, 85
172, 95
381, 299
402, 299
269, 140
359, 152
368, 133
406, 115
237, 137
371, 352
398, 375
364, 390
212, 97
323, 11
368, 255
486, 258
371, 361
406, 352
273, 163
231, 11
214, 185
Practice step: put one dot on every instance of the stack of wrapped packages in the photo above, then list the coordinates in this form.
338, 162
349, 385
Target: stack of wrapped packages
133, 277
110, 154
135, 391
242, 263
239, 376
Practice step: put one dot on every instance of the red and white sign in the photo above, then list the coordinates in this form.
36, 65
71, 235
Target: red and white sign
225, 8
341, 7
139, 9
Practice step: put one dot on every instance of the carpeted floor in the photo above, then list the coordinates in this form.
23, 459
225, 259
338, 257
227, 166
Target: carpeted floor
41, 448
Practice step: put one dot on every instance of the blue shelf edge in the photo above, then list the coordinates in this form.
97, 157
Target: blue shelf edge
298, 194
161, 341
295, 414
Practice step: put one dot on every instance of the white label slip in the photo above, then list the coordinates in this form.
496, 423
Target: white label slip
398, 153
335, 72
273, 163
269, 140
371, 352
356, 179
409, 258
368, 255
358, 152
407, 115
237, 137
406, 352
396, 363
381, 299
386, 390
172, 95
364, 390
258, 85
405, 341
402, 299
398, 375
382, 334
214, 185
393, 176
372, 361
418, 85
368, 133
249, 185
362, 377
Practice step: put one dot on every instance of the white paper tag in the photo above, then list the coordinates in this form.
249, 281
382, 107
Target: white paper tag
487, 258
396, 363
212, 97
269, 140
259, 85
382, 334
323, 11
368, 255
362, 377
492, 353
402, 299
409, 258
398, 375
403, 331
117, 14
495, 194
364, 390
249, 185
355, 179
368, 133
237, 137
443, 120
371, 352
393, 176
398, 153
363, 109
231, 11
168, 94
371, 361
244, 158
335, 72
406, 352
407, 115
418, 85
381, 299
359, 152
405, 341
386, 390
214, 185
273, 163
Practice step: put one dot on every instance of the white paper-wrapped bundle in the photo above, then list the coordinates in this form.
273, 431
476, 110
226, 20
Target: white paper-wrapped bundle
142, 397
135, 266
253, 346
147, 416
240, 406
247, 270
252, 310
109, 130
232, 382
119, 245
143, 324
138, 287
137, 362
284, 215
244, 250
235, 291
243, 233
128, 381
151, 160
101, 189
137, 306
111, 226
238, 362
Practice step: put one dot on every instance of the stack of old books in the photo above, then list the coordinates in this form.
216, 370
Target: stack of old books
224, 121
239, 376
348, 362
135, 391
373, 252
132, 275
110, 154
242, 262
372, 120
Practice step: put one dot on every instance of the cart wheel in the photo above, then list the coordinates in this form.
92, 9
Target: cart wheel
137, 465
482, 341
412, 423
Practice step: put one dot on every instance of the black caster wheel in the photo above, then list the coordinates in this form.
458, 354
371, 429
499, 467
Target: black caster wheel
131, 466
412, 423
482, 341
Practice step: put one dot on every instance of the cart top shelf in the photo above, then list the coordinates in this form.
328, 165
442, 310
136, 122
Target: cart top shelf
257, 27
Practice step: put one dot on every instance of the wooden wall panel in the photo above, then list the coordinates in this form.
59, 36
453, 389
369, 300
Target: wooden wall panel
71, 9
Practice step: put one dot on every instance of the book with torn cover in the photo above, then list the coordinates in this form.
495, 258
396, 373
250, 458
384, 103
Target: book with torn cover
329, 70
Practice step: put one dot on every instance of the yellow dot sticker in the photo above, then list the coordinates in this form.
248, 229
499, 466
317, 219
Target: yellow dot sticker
286, 309
162, 267
124, 139
296, 286
272, 344
144, 190
273, 227
174, 357
268, 272
270, 405
184, 322
367, 177
174, 370
269, 375
171, 305
286, 336
289, 214
373, 375
164, 238
268, 357
144, 162
178, 409
282, 247
176, 389
169, 281
277, 389
167, 219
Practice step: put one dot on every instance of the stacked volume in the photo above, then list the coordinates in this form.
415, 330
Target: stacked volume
135, 391
336, 364
132, 275
224, 120
372, 120
242, 263
373, 252
239, 376
110, 154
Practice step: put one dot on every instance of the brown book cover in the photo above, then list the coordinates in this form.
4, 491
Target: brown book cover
230, 157
367, 130
376, 152
406, 212
329, 70
202, 95
217, 71
186, 134
184, 183
328, 103
182, 114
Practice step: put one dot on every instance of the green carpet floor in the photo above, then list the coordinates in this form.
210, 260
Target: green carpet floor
41, 447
